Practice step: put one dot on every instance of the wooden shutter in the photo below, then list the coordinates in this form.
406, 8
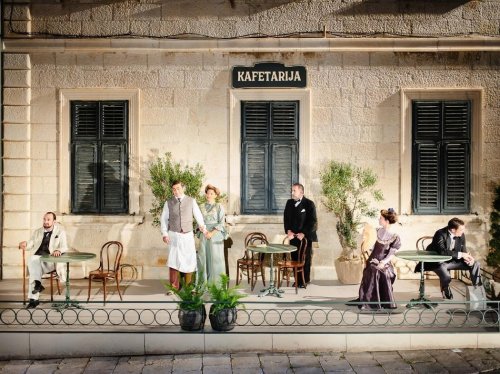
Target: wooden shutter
285, 165
255, 171
99, 156
269, 154
84, 175
441, 156
113, 177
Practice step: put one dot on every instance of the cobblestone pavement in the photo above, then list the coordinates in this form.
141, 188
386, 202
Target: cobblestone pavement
432, 361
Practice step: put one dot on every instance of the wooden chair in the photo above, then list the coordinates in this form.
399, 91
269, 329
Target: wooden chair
53, 276
251, 262
109, 267
297, 267
423, 242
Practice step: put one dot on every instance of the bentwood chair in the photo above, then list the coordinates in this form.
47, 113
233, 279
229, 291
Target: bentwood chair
297, 267
53, 276
251, 263
109, 267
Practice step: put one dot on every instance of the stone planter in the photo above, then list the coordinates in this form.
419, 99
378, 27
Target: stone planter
224, 320
192, 320
349, 272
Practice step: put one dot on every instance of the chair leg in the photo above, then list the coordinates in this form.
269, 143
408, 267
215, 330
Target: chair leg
248, 273
90, 286
279, 277
238, 274
118, 286
104, 289
296, 280
253, 277
51, 287
303, 278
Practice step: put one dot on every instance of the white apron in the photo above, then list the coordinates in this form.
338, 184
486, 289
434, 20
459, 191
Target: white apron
182, 254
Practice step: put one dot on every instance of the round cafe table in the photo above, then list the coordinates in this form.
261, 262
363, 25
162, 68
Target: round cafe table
272, 249
422, 257
68, 257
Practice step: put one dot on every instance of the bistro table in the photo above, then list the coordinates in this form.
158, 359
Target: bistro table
423, 257
68, 257
272, 249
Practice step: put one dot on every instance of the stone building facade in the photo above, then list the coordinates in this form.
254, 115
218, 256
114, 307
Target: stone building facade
171, 62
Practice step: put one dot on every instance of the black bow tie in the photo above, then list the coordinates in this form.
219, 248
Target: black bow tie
456, 237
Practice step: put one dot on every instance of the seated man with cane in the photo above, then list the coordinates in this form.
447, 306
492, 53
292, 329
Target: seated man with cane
49, 239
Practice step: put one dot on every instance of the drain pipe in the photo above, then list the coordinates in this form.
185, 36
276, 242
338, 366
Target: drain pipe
1, 140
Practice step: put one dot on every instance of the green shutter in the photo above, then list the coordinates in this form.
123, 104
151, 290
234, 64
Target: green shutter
284, 165
255, 170
269, 154
99, 161
113, 177
441, 157
84, 160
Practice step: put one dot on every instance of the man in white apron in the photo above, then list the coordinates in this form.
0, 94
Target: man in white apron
177, 231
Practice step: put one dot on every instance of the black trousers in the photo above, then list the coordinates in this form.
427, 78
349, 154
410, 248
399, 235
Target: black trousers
443, 271
295, 257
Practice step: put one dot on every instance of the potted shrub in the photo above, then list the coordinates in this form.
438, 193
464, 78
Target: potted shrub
347, 192
192, 313
163, 171
225, 299
493, 258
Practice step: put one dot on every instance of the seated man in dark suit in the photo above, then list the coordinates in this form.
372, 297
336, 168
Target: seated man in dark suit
450, 241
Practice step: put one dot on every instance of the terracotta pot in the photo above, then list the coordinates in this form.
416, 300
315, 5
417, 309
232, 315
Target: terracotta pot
349, 272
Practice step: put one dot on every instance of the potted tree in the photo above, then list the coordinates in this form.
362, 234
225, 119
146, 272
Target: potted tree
192, 313
347, 190
163, 171
223, 312
493, 258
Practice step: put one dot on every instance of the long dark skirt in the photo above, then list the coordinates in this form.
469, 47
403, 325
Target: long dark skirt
376, 286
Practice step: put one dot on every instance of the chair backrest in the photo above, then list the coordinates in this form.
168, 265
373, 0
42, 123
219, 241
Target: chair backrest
111, 254
254, 238
423, 242
302, 251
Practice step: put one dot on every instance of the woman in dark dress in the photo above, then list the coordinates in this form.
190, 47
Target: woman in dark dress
379, 275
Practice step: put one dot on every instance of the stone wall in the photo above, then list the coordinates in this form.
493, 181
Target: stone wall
356, 110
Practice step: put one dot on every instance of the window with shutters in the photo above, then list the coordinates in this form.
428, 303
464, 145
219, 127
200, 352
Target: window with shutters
99, 157
269, 142
441, 156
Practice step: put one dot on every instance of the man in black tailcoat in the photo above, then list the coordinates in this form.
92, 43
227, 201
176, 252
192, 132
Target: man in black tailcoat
450, 241
300, 221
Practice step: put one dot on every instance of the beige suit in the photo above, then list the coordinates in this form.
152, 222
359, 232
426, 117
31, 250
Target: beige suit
36, 267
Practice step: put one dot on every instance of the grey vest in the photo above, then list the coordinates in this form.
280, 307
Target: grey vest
180, 214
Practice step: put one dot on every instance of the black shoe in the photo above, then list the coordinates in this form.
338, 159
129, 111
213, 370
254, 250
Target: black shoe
447, 294
299, 286
38, 287
33, 304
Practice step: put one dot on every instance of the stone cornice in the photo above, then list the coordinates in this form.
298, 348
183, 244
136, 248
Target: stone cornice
458, 44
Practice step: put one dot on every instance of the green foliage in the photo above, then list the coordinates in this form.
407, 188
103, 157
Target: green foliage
493, 258
346, 190
163, 171
223, 296
190, 295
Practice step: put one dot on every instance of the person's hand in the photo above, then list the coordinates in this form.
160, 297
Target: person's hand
374, 261
208, 234
166, 239
56, 253
381, 265
300, 236
290, 234
469, 260
22, 246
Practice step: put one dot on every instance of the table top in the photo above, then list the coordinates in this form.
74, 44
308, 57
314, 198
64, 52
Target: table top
272, 248
422, 256
69, 257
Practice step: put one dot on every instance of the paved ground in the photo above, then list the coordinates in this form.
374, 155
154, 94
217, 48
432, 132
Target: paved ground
427, 362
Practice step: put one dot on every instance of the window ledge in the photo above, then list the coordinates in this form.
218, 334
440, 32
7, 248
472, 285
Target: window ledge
232, 220
73, 218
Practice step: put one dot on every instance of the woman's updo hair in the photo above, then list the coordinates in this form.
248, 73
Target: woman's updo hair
213, 188
390, 215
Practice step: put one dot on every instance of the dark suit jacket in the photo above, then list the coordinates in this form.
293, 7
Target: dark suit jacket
301, 218
441, 244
